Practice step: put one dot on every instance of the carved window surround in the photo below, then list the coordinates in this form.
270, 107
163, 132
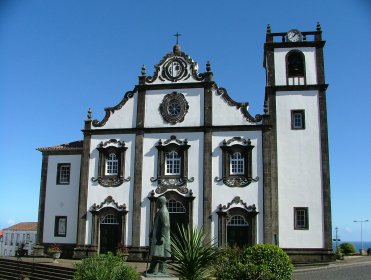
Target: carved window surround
243, 147
164, 181
106, 148
108, 206
237, 207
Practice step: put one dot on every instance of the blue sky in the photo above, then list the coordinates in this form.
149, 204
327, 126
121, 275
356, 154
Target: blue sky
60, 57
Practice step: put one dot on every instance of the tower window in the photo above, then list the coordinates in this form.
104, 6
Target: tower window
295, 65
63, 173
297, 119
301, 218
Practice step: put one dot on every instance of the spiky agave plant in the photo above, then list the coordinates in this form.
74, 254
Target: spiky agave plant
193, 257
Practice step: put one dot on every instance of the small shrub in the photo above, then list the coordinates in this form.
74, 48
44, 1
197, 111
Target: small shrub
193, 258
264, 262
104, 267
348, 248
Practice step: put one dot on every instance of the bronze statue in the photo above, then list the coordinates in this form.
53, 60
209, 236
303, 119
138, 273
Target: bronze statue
160, 239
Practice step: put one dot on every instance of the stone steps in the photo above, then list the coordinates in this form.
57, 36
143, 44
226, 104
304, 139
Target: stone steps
13, 269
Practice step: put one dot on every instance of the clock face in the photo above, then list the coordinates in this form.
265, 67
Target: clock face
294, 35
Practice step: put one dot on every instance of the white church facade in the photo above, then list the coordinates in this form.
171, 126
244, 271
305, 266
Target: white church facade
245, 179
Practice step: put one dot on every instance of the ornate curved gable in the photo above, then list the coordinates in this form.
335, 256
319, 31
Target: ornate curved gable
108, 202
111, 110
175, 66
237, 202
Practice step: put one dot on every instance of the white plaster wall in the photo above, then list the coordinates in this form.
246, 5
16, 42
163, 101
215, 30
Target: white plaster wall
195, 169
224, 114
251, 194
194, 117
62, 200
299, 170
280, 65
124, 117
122, 194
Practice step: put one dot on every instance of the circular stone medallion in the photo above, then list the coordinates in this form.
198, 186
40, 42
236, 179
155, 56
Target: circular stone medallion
174, 107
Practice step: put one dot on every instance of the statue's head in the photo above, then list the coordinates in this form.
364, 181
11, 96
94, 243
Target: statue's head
161, 201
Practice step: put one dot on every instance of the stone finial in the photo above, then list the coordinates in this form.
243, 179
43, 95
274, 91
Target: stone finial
208, 66
89, 114
268, 28
143, 70
318, 26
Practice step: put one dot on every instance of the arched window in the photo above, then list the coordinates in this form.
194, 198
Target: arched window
172, 163
295, 65
109, 219
237, 164
112, 164
175, 206
237, 220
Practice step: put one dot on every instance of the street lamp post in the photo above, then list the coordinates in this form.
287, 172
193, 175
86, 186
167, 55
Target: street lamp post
363, 221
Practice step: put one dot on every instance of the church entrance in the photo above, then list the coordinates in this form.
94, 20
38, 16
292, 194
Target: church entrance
109, 234
238, 232
178, 215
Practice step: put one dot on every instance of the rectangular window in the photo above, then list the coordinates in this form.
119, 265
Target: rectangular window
6, 238
11, 239
60, 227
301, 218
297, 119
63, 174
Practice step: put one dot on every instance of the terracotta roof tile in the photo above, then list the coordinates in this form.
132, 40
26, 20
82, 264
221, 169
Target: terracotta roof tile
23, 226
76, 145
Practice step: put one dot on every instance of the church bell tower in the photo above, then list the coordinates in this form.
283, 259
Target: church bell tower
297, 208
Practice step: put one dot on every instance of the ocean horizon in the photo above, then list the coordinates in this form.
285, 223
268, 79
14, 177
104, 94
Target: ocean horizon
357, 244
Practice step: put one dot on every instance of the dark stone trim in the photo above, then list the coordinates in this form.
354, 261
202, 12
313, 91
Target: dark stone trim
320, 66
179, 129
301, 88
138, 166
303, 44
207, 165
270, 182
308, 256
327, 223
83, 191
42, 196
137, 192
177, 86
